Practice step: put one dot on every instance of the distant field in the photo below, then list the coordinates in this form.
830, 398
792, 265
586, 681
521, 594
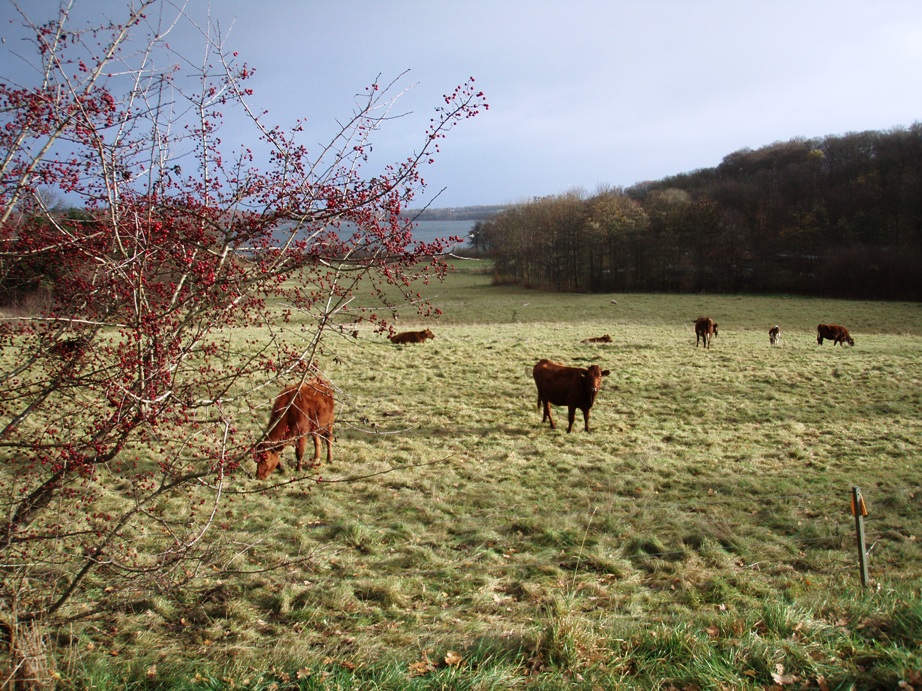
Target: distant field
699, 537
468, 297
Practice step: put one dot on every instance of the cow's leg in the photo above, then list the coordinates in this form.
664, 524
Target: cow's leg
542, 406
586, 419
317, 447
278, 464
547, 414
300, 448
571, 415
329, 439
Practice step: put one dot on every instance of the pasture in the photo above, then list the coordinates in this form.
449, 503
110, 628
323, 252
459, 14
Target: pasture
698, 537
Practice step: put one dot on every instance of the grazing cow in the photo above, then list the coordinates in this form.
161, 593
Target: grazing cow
598, 339
774, 335
574, 387
835, 333
705, 329
298, 412
412, 336
68, 348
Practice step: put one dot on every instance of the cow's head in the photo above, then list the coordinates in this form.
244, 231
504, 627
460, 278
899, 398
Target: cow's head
715, 328
851, 341
592, 376
267, 460
428, 334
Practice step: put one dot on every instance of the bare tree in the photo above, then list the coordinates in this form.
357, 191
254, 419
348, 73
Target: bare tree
121, 395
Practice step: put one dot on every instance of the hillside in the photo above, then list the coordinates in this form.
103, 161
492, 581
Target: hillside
838, 216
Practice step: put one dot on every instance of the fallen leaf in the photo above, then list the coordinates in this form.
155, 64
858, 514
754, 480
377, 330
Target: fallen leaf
779, 677
453, 659
712, 631
152, 671
418, 669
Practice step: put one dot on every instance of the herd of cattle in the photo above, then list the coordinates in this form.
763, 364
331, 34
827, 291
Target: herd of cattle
307, 409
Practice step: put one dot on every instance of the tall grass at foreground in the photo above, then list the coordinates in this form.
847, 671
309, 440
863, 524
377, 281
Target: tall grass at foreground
698, 537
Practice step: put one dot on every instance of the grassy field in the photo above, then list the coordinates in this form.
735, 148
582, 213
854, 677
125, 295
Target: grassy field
698, 538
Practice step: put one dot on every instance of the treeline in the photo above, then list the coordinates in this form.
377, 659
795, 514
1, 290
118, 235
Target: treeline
838, 216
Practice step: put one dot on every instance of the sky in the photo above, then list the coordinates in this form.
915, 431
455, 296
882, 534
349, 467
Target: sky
583, 94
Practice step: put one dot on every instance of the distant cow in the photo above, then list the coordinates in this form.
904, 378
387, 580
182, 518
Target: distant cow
412, 336
705, 329
774, 335
835, 333
598, 339
298, 412
574, 387
71, 347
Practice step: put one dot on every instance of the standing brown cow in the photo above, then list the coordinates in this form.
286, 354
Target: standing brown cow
411, 336
835, 333
574, 387
298, 412
705, 328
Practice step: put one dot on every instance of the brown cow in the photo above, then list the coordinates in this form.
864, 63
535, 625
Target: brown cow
67, 348
298, 412
412, 336
774, 335
598, 339
835, 333
574, 387
705, 328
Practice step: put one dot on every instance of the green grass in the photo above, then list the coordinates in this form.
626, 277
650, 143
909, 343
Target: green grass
700, 536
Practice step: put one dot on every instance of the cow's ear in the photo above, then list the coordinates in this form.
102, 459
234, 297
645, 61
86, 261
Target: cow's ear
605, 372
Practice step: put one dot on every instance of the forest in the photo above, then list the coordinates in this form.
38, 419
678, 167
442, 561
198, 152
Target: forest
838, 216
